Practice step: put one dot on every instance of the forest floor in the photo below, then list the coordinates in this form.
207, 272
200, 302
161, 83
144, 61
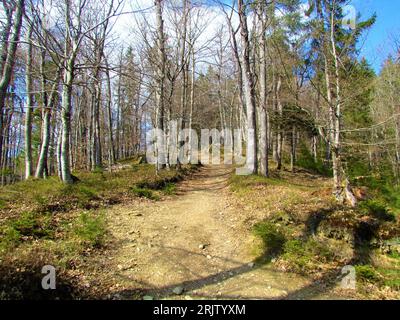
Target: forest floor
204, 233
195, 244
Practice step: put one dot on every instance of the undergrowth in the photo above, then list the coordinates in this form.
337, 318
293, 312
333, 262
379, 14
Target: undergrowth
63, 224
305, 231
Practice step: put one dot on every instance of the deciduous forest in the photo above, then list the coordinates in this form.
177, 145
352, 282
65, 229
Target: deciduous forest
104, 105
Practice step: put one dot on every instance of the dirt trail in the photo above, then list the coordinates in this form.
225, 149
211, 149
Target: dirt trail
159, 248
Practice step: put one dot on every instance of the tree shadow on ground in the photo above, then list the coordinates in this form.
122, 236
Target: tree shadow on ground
24, 282
363, 234
194, 284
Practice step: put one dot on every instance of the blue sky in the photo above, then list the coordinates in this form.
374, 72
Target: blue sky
378, 42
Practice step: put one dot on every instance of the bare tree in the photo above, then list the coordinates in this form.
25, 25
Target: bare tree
248, 80
10, 38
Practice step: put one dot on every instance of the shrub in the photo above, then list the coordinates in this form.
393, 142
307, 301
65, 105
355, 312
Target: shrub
307, 161
366, 273
143, 193
170, 188
296, 254
32, 225
273, 239
302, 254
91, 229
378, 209
9, 238
294, 247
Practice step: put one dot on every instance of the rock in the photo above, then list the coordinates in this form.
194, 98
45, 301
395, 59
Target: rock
178, 290
120, 267
209, 257
148, 298
202, 246
251, 265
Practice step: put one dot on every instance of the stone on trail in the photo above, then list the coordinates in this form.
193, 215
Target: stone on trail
202, 246
251, 265
137, 214
178, 290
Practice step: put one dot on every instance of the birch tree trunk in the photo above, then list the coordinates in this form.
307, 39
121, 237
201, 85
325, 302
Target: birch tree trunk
29, 107
192, 88
248, 77
160, 90
48, 105
110, 120
264, 143
66, 175
279, 136
8, 54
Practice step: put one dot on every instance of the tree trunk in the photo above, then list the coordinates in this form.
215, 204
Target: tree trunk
8, 56
264, 143
110, 120
293, 149
279, 136
29, 107
192, 88
251, 155
160, 113
66, 175
48, 105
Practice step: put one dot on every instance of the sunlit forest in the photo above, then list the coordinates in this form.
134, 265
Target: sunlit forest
210, 149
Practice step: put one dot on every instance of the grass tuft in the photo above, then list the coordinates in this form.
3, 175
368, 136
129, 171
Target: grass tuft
91, 229
144, 193
272, 238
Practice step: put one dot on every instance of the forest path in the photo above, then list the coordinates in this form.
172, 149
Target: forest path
192, 242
